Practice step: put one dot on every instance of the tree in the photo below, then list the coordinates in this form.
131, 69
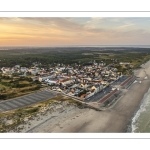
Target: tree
37, 82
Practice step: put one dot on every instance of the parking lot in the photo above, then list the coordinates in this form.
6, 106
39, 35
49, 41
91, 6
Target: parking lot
105, 91
99, 95
26, 100
120, 80
46, 94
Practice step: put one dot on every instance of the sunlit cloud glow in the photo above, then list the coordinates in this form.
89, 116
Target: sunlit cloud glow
74, 31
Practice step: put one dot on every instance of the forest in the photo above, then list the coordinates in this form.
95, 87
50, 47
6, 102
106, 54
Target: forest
70, 55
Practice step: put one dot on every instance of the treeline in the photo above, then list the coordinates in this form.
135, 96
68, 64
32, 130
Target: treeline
26, 60
45, 56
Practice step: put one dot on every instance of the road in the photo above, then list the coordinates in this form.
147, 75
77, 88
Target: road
26, 100
105, 91
99, 95
120, 80
46, 94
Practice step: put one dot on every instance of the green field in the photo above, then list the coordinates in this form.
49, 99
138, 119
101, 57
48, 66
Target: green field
16, 86
2, 86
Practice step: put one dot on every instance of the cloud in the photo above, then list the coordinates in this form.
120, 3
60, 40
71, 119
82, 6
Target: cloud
53, 22
73, 30
126, 25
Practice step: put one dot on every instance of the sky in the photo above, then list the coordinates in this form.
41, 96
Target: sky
74, 31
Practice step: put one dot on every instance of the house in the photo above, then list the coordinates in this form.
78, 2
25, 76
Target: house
98, 88
50, 82
44, 77
7, 70
23, 69
82, 96
67, 81
60, 69
89, 94
83, 86
124, 63
34, 71
17, 66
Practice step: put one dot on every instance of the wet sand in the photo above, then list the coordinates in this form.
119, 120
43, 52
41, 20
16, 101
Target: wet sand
111, 120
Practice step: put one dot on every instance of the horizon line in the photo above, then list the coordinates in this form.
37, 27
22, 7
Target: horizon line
72, 46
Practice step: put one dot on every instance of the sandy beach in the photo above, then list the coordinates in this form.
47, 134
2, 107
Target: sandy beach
71, 119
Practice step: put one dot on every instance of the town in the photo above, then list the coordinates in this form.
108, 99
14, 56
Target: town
90, 82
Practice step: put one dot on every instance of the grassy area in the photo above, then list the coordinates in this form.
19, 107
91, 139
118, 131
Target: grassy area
24, 82
15, 92
16, 86
134, 57
6, 81
2, 86
17, 116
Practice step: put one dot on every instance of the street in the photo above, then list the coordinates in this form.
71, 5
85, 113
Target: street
96, 97
26, 100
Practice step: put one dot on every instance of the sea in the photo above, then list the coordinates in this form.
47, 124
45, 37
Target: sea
140, 122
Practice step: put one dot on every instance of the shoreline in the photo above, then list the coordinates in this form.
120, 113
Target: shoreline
129, 126
140, 76
136, 106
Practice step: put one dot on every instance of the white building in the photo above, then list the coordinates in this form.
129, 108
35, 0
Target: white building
43, 78
124, 63
50, 82
8, 70
23, 69
34, 71
67, 82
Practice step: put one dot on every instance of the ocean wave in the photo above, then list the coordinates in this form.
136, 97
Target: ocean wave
145, 106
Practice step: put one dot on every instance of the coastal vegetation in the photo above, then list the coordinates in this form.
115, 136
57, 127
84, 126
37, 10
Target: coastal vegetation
12, 119
11, 87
